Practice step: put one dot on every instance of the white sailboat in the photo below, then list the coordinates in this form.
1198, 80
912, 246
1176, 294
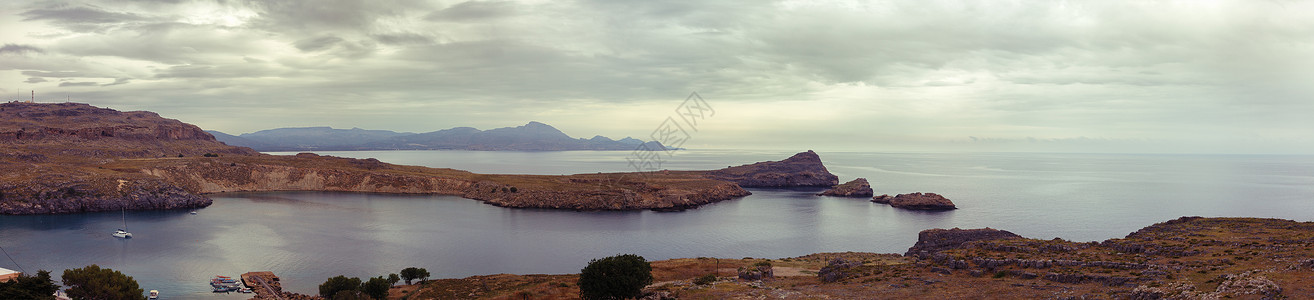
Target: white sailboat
123, 232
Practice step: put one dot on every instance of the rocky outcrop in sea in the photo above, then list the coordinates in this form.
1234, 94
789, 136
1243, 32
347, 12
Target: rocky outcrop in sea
858, 188
916, 201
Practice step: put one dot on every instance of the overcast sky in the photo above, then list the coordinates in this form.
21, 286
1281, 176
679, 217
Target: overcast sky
1096, 76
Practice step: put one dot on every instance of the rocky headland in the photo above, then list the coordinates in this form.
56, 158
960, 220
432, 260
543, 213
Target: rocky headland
70, 157
916, 201
801, 170
858, 188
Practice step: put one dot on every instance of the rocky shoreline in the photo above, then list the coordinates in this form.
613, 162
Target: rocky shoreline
1185, 258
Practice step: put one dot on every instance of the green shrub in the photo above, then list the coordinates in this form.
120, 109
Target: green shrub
615, 277
376, 287
337, 284
705, 279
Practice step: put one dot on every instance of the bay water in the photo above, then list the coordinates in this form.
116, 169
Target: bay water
306, 237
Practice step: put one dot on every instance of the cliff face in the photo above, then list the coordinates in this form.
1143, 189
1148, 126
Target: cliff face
801, 170
91, 193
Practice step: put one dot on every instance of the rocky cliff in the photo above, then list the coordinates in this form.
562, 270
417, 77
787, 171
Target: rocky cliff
67, 194
802, 169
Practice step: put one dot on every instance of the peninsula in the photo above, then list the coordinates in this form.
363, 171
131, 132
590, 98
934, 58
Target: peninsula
71, 157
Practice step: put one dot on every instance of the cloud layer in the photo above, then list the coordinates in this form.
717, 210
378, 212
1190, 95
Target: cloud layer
1144, 76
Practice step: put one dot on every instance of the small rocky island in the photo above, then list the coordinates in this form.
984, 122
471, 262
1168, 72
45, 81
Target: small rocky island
858, 188
916, 201
72, 157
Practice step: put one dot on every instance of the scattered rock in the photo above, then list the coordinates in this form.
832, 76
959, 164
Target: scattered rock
917, 201
1249, 283
756, 272
837, 269
856, 188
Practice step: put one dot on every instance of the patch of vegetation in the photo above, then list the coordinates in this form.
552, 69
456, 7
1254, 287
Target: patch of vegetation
94, 282
705, 279
29, 287
615, 277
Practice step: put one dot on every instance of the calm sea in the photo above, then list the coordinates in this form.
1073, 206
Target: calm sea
306, 237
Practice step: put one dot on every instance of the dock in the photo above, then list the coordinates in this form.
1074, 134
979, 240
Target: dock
264, 283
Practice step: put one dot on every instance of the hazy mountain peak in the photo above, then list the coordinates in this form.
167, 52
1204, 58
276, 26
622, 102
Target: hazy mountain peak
533, 136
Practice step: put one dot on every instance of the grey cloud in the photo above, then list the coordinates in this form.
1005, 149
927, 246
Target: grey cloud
403, 38
56, 74
317, 44
78, 15
474, 11
1047, 70
19, 49
87, 18
80, 83
118, 81
35, 80
249, 70
314, 15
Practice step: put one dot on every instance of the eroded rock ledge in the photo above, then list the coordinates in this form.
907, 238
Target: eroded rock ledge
858, 188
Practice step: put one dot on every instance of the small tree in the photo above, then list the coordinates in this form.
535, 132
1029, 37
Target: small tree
424, 275
29, 287
393, 279
615, 277
409, 274
337, 284
413, 273
94, 282
376, 288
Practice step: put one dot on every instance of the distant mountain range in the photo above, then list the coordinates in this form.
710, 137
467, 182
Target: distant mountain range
534, 136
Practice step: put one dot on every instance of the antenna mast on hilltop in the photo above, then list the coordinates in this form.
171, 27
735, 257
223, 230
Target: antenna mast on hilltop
33, 97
